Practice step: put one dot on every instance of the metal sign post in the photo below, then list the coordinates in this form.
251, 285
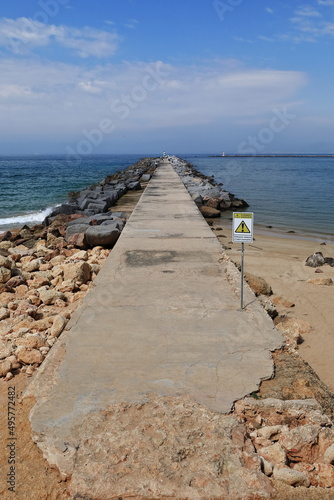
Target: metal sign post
242, 232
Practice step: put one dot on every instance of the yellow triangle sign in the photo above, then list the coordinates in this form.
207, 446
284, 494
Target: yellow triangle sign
242, 228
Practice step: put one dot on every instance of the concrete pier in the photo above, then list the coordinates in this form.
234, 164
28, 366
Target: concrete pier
162, 319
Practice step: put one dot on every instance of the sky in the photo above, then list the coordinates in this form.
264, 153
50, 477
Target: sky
84, 77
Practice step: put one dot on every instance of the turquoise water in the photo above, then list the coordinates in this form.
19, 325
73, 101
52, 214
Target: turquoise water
286, 193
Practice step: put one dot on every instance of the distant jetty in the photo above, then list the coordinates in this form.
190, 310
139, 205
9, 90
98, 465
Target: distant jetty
226, 155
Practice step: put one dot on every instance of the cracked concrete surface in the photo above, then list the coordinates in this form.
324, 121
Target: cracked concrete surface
162, 319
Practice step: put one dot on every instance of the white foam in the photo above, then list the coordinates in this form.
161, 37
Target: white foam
31, 218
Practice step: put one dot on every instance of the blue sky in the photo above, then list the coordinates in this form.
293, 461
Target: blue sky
143, 76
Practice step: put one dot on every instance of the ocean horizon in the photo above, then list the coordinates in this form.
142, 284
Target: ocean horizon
286, 192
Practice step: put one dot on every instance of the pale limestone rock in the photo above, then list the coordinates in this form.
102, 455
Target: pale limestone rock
5, 349
291, 477
272, 431
28, 355
79, 272
14, 361
5, 274
66, 286
329, 455
4, 313
320, 281
5, 367
34, 340
81, 255
300, 443
266, 467
319, 475
274, 454
50, 296
58, 326
31, 266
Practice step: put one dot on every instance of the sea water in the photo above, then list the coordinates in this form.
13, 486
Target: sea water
30, 186
287, 193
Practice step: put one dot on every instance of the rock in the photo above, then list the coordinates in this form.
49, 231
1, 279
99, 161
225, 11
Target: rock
78, 240
6, 262
81, 255
329, 455
272, 431
320, 281
29, 356
291, 477
300, 443
329, 261
319, 475
258, 284
209, 212
31, 266
79, 272
102, 236
50, 296
315, 260
145, 177
212, 202
34, 340
274, 454
58, 325
266, 467
66, 286
269, 307
5, 367
5, 349
14, 362
281, 301
26, 307
5, 274
4, 313
16, 281
75, 229
294, 329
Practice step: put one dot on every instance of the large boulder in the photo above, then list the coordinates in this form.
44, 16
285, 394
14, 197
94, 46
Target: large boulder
315, 260
75, 229
209, 212
78, 272
102, 235
258, 284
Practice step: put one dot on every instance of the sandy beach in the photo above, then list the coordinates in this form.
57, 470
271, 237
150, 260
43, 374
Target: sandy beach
280, 260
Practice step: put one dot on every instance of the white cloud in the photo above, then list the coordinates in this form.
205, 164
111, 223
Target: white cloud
24, 34
60, 100
307, 11
269, 10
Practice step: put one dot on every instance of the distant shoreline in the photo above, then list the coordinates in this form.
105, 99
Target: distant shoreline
272, 156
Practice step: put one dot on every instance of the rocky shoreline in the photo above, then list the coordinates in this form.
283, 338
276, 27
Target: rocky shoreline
47, 269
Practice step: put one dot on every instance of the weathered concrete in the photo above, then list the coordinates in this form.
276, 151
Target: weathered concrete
163, 319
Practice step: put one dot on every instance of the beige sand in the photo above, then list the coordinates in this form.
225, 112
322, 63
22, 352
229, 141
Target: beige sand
280, 259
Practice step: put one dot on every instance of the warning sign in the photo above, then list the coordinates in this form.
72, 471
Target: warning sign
242, 230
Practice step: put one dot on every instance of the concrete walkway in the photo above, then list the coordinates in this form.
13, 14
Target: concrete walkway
162, 319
